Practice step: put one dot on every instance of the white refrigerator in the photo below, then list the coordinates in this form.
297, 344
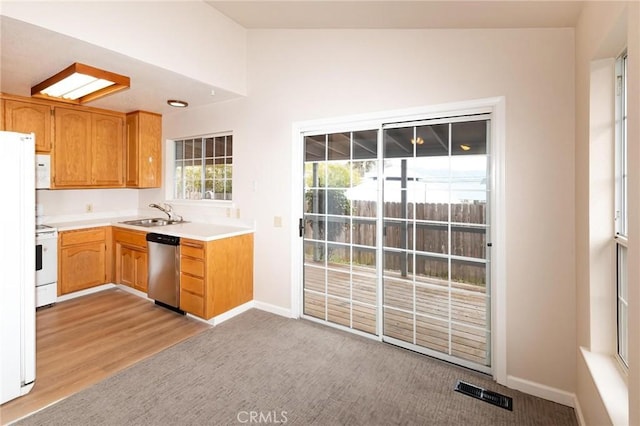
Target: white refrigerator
17, 265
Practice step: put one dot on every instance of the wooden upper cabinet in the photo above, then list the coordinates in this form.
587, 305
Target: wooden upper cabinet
107, 150
27, 117
89, 149
144, 150
87, 145
72, 154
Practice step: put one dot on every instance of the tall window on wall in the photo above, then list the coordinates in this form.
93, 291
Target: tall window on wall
621, 237
203, 168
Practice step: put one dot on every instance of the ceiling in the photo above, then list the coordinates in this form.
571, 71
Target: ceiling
29, 54
398, 14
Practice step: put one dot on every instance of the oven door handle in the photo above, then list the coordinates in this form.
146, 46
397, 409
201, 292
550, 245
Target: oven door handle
38, 257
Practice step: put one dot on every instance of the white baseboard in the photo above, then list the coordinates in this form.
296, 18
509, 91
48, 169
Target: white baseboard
542, 391
578, 410
243, 308
84, 292
231, 313
267, 307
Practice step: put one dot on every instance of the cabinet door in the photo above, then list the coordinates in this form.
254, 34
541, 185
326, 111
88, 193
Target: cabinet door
144, 158
150, 175
132, 149
127, 268
140, 270
107, 150
132, 267
25, 117
82, 266
72, 154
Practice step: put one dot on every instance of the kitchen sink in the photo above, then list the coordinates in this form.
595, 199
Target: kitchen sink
155, 221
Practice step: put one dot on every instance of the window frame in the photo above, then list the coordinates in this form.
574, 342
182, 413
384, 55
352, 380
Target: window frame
621, 237
227, 159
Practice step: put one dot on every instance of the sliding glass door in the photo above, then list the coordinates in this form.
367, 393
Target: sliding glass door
340, 237
436, 229
395, 233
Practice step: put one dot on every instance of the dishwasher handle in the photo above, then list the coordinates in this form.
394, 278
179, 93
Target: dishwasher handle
169, 240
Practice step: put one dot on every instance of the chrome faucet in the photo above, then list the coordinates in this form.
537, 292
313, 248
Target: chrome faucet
166, 209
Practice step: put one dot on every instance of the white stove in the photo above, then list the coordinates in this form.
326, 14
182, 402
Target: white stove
46, 265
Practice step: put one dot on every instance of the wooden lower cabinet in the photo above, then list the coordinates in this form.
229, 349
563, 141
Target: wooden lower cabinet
133, 263
215, 276
83, 259
131, 259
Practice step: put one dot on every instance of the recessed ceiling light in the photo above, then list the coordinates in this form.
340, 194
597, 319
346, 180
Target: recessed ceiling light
177, 103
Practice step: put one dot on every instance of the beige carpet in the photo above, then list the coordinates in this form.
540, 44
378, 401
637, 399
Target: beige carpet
262, 368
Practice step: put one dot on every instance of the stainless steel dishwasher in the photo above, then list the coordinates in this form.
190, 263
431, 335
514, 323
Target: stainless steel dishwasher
164, 270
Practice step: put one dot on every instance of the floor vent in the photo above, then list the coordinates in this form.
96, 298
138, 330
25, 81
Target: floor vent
494, 398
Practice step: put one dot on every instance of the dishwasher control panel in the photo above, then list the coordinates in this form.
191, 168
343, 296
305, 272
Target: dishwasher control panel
163, 239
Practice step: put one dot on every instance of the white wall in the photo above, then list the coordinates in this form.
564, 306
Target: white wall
603, 30
187, 37
303, 75
60, 205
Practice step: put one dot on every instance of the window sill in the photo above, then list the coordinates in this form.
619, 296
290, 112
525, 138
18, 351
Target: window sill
209, 203
610, 383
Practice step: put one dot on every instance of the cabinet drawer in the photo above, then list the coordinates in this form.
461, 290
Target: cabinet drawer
192, 303
192, 284
192, 248
192, 266
130, 237
80, 236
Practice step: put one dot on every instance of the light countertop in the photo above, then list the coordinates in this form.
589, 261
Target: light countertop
194, 230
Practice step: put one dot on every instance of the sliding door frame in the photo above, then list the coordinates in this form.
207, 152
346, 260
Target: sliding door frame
495, 107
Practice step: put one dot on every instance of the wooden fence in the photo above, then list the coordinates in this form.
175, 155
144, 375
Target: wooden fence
466, 240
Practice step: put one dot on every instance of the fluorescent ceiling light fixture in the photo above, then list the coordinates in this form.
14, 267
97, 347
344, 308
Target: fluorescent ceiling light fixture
177, 103
80, 83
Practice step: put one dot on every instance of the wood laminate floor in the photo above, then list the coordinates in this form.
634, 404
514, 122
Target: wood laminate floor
82, 341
